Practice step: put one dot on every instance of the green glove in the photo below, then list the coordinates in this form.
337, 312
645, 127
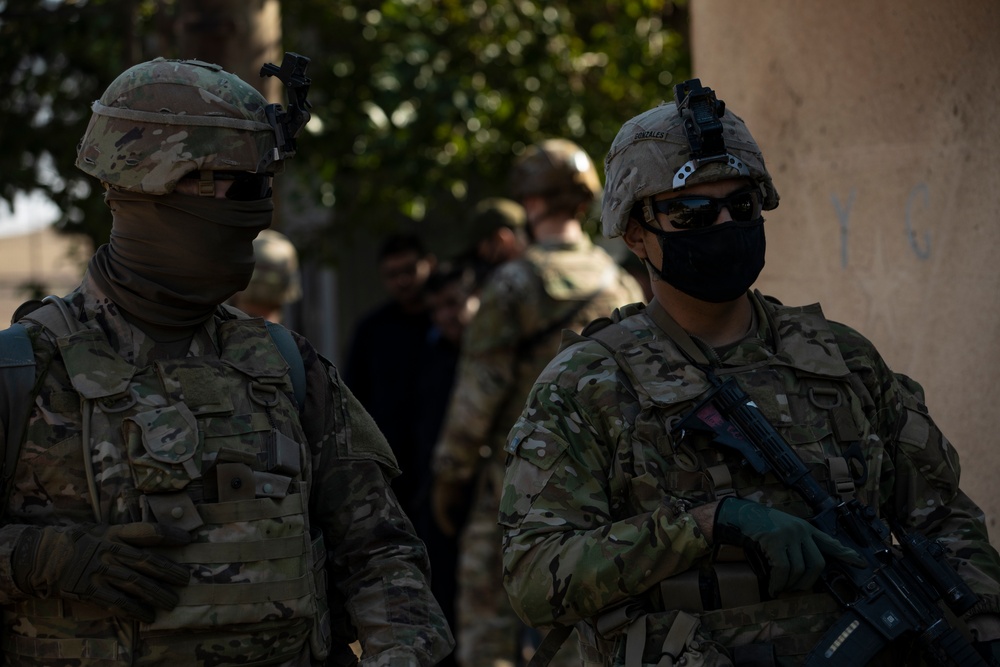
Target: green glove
793, 550
102, 565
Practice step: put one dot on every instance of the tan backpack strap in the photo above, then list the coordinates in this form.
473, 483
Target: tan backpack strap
680, 635
635, 642
722, 481
841, 480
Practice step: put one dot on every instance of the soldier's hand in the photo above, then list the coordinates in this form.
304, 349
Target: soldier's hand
448, 498
107, 566
794, 550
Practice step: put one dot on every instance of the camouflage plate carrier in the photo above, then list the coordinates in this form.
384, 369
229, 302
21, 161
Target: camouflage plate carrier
807, 392
211, 445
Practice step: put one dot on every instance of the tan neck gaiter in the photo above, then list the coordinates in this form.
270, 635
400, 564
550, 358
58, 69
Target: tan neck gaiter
173, 258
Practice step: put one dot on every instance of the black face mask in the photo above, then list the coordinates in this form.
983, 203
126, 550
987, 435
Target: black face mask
715, 264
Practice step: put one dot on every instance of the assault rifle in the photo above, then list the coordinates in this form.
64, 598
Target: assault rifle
896, 594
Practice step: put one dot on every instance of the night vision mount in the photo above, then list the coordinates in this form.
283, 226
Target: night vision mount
701, 112
288, 124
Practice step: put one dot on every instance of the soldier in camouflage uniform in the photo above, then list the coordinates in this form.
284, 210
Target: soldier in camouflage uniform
561, 281
632, 534
498, 235
275, 281
194, 487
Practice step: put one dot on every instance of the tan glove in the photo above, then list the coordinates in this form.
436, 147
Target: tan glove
449, 498
103, 565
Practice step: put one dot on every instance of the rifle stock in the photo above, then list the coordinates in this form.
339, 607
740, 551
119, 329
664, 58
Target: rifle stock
896, 594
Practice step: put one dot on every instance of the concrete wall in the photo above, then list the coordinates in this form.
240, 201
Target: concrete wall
878, 122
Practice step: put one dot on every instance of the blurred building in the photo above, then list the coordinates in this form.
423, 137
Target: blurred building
875, 120
39, 263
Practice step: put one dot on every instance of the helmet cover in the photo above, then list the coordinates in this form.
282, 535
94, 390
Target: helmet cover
558, 170
492, 213
275, 279
652, 154
162, 119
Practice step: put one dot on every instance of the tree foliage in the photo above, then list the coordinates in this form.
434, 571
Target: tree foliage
419, 105
423, 104
57, 58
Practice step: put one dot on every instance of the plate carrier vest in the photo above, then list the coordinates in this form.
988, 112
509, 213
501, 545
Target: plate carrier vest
214, 446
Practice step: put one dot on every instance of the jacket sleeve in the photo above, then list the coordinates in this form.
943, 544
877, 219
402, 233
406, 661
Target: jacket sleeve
484, 381
566, 545
921, 482
378, 568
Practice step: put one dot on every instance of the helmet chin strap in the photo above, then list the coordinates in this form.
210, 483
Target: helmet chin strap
206, 183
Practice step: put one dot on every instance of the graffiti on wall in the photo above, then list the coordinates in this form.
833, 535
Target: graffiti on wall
918, 199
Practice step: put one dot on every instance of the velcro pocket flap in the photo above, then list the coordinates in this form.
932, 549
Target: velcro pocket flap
534, 444
166, 458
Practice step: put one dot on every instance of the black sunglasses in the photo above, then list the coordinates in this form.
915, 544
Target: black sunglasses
698, 211
246, 186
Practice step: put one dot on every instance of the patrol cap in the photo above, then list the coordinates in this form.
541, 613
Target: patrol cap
275, 279
162, 119
493, 213
653, 153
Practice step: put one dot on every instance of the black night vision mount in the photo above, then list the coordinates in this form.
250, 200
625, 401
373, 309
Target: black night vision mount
701, 112
288, 124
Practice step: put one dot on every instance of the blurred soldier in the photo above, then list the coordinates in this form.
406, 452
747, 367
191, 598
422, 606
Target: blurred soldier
275, 281
499, 234
191, 486
560, 282
658, 538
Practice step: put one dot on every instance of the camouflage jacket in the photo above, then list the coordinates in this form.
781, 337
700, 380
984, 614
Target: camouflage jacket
328, 454
597, 495
524, 306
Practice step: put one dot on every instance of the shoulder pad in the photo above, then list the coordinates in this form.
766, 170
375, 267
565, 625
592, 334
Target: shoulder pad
617, 315
26, 309
597, 325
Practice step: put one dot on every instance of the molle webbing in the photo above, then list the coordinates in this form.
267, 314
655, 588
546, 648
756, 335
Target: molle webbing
90, 650
257, 570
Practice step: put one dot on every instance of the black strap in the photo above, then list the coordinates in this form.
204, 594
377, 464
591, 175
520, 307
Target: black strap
17, 378
550, 645
286, 346
296, 367
677, 334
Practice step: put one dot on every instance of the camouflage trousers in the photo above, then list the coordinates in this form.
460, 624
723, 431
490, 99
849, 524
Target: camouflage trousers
489, 633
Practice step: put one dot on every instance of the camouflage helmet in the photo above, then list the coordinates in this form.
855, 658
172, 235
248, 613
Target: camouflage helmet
655, 152
558, 170
275, 279
162, 119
